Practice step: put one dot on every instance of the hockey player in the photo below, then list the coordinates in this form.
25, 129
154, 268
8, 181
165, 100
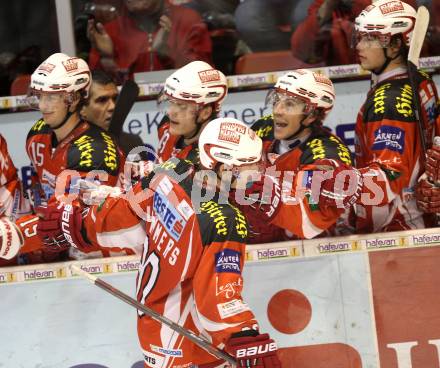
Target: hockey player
61, 140
192, 260
295, 141
191, 97
387, 139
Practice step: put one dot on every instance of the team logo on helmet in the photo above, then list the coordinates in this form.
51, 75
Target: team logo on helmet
319, 78
46, 67
210, 75
230, 132
391, 7
70, 64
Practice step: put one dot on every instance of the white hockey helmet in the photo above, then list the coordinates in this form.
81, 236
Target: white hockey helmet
384, 19
229, 141
315, 90
11, 239
62, 73
196, 82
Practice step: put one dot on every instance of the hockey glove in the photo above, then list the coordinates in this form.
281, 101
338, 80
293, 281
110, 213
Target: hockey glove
258, 351
60, 227
339, 185
432, 169
11, 239
265, 195
428, 196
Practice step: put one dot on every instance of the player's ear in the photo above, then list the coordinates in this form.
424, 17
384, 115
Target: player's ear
393, 49
205, 113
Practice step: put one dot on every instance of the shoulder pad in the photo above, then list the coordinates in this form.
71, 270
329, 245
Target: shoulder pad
94, 150
40, 127
325, 147
178, 169
165, 119
221, 222
391, 100
263, 127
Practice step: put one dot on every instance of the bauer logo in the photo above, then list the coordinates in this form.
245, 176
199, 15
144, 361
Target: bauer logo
168, 216
228, 260
389, 137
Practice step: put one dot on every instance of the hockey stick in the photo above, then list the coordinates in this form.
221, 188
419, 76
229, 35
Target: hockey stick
198, 340
126, 99
415, 46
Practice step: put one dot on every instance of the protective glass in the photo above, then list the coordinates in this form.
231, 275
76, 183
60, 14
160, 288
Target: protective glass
368, 40
168, 105
35, 99
290, 104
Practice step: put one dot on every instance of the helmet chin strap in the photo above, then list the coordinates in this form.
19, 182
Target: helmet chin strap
300, 130
198, 128
386, 63
66, 117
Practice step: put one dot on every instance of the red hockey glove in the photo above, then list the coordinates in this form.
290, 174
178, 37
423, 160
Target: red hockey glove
432, 169
338, 185
428, 196
258, 351
11, 239
267, 193
60, 227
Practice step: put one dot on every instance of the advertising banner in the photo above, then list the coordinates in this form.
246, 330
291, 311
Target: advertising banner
363, 302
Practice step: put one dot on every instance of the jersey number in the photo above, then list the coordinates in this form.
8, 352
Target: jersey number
152, 261
37, 153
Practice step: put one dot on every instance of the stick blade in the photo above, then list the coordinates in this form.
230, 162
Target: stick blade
418, 36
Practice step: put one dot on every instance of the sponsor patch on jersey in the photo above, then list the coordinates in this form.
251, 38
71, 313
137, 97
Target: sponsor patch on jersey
165, 185
228, 260
389, 137
185, 210
164, 351
167, 215
232, 308
85, 147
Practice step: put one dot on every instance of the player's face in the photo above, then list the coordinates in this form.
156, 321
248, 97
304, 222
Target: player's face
370, 53
288, 112
183, 117
53, 107
101, 104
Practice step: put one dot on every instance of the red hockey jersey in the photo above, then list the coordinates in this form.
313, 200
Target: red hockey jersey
387, 141
190, 272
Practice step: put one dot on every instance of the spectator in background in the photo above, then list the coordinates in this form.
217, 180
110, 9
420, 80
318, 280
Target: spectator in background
326, 34
148, 35
267, 25
432, 41
218, 16
100, 106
